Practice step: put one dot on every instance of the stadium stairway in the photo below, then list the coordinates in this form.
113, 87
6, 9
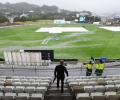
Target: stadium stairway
55, 94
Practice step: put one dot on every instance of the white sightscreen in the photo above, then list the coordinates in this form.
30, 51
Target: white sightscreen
23, 58
27, 54
6, 57
38, 58
10, 58
19, 58
14, 57
32, 58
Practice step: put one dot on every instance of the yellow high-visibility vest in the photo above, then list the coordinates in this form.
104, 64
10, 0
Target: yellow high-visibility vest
89, 66
100, 66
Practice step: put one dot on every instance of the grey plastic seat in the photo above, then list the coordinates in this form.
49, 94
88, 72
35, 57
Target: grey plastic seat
1, 95
23, 80
16, 83
9, 96
16, 80
83, 83
99, 88
41, 89
1, 88
25, 84
2, 83
110, 82
19, 89
45, 84
46, 80
31, 80
110, 88
35, 84
73, 83
107, 79
8, 89
93, 83
117, 81
37, 96
112, 96
117, 87
22, 96
97, 96
83, 96
88, 89
30, 89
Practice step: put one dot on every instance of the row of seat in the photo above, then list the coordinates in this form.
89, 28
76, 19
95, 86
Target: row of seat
107, 77
46, 84
92, 79
20, 89
98, 96
26, 77
93, 83
21, 96
25, 80
97, 88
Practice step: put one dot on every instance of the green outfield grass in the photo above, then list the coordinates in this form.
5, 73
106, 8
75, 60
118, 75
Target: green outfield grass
100, 43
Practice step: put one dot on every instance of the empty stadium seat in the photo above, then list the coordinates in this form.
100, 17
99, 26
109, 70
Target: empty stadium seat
88, 89
8, 89
44, 84
99, 88
98, 96
110, 82
117, 81
9, 96
92, 83
19, 89
36, 96
83, 96
30, 89
110, 87
1, 95
73, 83
41, 89
35, 84
83, 83
16, 83
112, 96
25, 83
22, 96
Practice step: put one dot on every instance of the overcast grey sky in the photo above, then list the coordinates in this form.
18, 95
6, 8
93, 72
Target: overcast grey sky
102, 6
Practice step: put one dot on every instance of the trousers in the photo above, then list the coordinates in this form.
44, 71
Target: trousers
62, 83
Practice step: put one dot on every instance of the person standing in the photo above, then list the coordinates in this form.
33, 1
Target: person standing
89, 68
59, 73
100, 68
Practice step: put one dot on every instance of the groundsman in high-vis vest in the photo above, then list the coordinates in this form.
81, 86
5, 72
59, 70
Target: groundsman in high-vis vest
100, 68
89, 68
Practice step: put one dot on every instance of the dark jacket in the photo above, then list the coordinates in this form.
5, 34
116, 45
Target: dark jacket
59, 71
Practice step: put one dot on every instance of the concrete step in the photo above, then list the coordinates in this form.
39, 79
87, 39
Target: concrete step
59, 96
54, 85
57, 90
